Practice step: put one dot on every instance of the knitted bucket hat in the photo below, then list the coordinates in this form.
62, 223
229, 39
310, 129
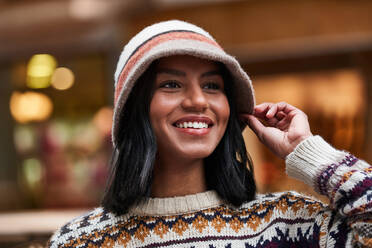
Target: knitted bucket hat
173, 38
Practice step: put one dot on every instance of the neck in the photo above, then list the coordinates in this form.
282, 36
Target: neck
178, 178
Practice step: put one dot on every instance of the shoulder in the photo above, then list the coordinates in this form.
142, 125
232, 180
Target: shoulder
286, 195
93, 224
288, 203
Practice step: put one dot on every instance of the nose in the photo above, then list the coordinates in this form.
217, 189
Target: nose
195, 99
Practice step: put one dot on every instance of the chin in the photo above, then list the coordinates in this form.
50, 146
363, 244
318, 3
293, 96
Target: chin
198, 153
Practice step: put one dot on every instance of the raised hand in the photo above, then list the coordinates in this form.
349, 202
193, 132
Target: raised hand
285, 126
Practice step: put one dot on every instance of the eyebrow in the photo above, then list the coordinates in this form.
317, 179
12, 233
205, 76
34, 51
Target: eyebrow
171, 71
212, 73
183, 74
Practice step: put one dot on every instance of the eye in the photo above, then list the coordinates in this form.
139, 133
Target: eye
212, 86
170, 85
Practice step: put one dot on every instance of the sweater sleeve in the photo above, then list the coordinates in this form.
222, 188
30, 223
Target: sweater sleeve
346, 181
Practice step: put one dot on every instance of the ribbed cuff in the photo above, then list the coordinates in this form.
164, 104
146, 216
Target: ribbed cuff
309, 158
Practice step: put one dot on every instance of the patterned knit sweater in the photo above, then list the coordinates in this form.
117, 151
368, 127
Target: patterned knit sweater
285, 219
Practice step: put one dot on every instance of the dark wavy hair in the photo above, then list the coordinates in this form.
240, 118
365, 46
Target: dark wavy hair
228, 170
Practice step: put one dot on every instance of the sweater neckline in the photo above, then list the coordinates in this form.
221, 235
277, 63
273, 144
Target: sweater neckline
178, 204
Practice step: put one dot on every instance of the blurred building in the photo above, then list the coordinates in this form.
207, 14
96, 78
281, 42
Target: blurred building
55, 146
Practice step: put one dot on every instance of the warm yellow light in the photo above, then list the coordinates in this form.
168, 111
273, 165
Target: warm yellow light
103, 120
30, 106
63, 78
39, 70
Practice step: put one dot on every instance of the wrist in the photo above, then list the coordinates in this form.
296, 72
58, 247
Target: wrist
309, 158
296, 142
302, 138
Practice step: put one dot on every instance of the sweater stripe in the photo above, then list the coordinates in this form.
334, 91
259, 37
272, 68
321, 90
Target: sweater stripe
277, 221
324, 177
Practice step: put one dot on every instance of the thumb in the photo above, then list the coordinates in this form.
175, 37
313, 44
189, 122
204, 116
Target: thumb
256, 125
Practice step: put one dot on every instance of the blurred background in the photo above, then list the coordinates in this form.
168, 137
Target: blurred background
57, 59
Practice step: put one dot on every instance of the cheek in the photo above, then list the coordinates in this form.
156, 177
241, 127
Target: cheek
156, 111
222, 109
160, 108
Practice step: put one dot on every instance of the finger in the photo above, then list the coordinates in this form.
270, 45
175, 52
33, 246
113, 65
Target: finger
282, 107
287, 117
262, 106
266, 111
267, 121
273, 115
256, 126
284, 123
295, 112
261, 110
272, 111
280, 115
272, 121
285, 107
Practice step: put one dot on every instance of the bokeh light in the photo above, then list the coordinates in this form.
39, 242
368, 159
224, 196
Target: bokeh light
39, 70
88, 9
86, 137
33, 172
24, 138
63, 78
30, 106
59, 132
103, 120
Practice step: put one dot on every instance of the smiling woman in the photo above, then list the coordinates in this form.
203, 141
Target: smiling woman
189, 114
181, 175
174, 161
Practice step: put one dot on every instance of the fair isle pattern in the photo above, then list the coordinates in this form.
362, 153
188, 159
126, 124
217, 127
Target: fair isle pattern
274, 220
349, 160
346, 181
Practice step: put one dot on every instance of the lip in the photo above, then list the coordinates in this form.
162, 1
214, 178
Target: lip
195, 119
195, 132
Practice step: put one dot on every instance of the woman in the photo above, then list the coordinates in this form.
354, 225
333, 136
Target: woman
181, 176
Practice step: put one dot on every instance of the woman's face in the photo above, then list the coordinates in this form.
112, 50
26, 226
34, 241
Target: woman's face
189, 110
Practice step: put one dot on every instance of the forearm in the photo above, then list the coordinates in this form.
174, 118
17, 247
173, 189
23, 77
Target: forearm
343, 178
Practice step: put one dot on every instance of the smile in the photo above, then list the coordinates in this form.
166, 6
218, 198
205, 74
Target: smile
194, 122
190, 124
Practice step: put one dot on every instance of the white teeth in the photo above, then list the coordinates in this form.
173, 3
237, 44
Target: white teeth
192, 125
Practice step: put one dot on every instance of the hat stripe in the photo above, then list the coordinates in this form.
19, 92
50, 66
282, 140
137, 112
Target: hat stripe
146, 46
153, 37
